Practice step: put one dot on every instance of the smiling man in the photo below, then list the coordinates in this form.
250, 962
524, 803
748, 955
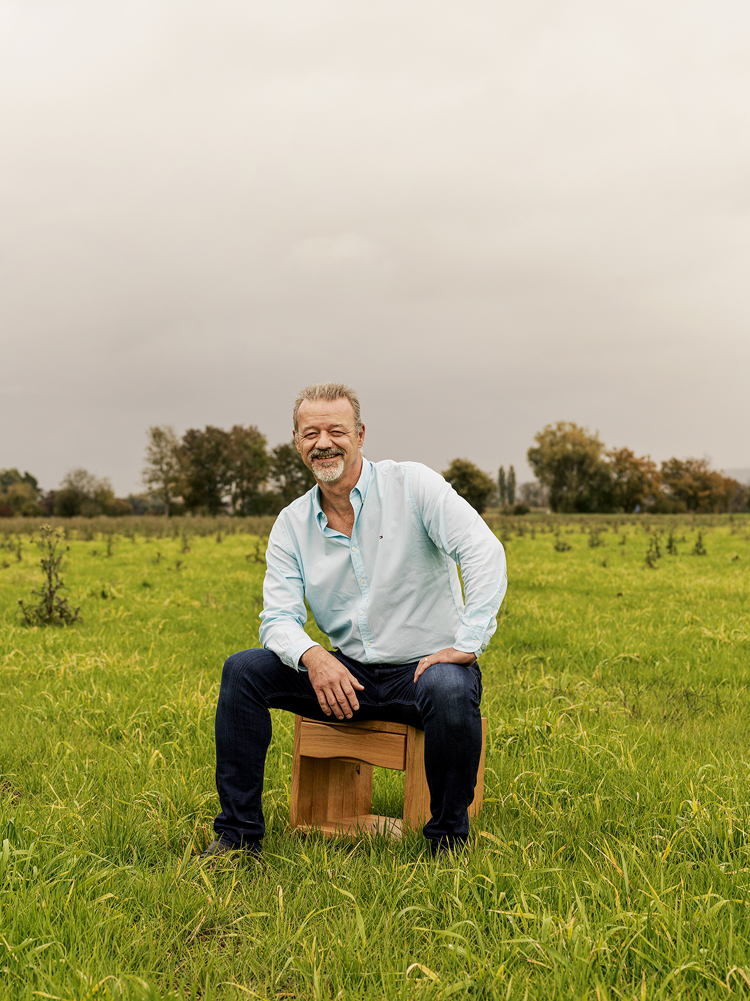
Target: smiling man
374, 548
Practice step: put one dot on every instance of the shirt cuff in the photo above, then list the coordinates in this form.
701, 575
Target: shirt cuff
301, 648
289, 650
470, 641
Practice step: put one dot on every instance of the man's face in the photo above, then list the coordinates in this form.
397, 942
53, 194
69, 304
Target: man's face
327, 438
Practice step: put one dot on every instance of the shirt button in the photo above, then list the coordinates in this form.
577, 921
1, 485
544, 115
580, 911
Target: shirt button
368, 644
354, 549
361, 612
361, 580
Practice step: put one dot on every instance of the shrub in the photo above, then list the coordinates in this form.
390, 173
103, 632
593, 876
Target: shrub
50, 609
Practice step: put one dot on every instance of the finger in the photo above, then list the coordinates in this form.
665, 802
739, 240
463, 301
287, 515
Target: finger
356, 684
347, 702
351, 698
343, 702
334, 698
323, 703
421, 668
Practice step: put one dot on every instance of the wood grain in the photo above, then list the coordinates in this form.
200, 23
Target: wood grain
386, 750
376, 725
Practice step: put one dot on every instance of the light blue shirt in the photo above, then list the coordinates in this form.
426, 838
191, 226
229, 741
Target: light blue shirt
391, 594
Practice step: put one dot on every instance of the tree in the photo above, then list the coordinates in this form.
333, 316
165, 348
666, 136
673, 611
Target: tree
635, 479
470, 482
161, 473
10, 476
568, 461
501, 487
82, 493
292, 476
205, 469
247, 466
510, 486
700, 488
19, 495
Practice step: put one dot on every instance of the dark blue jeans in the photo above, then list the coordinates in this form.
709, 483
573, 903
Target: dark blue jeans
444, 703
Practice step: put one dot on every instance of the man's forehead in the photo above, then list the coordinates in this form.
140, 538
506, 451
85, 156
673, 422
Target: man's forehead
320, 412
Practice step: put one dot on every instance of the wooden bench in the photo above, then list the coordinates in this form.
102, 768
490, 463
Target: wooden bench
332, 775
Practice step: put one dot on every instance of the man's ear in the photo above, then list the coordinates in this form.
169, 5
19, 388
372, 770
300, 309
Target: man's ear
295, 439
361, 436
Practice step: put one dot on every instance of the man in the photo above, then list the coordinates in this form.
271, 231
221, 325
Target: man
373, 547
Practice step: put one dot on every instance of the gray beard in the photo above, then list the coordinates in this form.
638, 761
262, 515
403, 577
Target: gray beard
328, 474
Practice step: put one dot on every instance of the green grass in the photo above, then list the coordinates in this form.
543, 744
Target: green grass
611, 859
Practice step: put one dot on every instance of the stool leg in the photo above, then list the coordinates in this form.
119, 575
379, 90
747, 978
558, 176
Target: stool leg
326, 790
416, 790
363, 805
476, 805
299, 807
347, 790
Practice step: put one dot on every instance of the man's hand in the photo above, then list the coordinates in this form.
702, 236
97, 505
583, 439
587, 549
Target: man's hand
333, 684
448, 656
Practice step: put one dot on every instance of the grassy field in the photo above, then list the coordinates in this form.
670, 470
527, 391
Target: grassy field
611, 860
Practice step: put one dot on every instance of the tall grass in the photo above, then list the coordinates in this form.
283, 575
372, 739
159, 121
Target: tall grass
611, 859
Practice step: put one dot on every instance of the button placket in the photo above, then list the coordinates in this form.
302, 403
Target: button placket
361, 575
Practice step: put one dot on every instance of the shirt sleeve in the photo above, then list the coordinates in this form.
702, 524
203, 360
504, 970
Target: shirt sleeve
284, 612
463, 535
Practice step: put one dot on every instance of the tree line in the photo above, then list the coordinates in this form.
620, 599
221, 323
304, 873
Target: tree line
209, 471
213, 471
580, 474
576, 473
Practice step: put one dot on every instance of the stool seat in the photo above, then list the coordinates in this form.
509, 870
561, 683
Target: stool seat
332, 775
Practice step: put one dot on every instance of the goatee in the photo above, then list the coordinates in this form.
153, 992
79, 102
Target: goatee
328, 473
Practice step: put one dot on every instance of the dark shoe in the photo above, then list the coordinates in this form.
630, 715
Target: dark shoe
225, 849
443, 848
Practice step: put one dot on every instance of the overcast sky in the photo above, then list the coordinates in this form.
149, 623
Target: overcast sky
485, 216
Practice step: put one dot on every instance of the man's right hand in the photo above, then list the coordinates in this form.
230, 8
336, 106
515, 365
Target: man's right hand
333, 684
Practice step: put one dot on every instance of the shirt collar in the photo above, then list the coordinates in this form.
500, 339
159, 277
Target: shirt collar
357, 494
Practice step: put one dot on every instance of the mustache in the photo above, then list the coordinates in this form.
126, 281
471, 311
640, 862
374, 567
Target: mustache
325, 453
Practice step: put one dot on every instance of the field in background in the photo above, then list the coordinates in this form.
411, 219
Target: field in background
611, 860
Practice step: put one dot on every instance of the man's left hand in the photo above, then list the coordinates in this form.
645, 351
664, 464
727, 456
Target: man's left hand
448, 656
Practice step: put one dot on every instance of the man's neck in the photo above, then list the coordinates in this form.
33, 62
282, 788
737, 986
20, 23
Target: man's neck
334, 497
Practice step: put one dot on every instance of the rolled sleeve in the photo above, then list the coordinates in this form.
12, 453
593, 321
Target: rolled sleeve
284, 612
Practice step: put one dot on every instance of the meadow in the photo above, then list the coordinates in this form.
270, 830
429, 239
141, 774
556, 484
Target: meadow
611, 859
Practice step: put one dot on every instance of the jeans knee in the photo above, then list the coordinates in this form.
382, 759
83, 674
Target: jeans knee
448, 690
240, 667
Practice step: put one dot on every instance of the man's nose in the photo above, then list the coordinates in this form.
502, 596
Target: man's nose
323, 440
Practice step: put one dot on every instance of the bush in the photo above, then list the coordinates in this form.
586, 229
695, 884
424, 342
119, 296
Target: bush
50, 609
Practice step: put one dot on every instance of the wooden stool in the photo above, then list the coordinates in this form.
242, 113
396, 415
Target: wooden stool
332, 775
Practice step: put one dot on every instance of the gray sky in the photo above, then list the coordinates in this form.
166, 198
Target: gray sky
486, 216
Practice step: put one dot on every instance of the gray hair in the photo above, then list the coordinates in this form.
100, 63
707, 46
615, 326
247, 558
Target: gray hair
328, 391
